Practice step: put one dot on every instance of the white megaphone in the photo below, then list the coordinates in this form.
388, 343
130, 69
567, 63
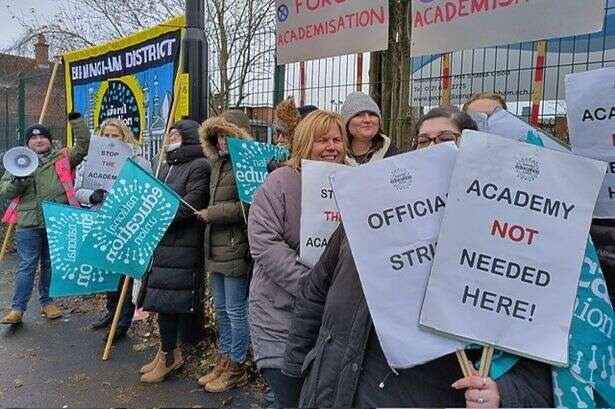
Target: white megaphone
20, 161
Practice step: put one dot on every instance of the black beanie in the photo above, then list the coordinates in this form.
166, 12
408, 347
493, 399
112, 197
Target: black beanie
37, 130
304, 110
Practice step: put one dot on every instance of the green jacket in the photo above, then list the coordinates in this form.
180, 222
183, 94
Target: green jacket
226, 240
44, 183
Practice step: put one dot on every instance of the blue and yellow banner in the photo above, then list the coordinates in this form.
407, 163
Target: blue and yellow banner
132, 78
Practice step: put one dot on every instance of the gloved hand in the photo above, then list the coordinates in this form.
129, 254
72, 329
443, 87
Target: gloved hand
98, 196
22, 180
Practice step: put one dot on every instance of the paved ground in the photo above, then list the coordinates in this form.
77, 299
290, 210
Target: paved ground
57, 364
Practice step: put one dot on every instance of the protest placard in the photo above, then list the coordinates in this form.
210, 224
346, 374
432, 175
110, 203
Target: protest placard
590, 101
503, 123
249, 159
132, 220
392, 232
308, 29
511, 246
104, 161
319, 214
67, 227
440, 26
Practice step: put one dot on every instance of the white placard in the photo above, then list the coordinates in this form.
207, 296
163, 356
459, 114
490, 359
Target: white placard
392, 232
511, 246
308, 29
503, 123
590, 100
319, 214
440, 26
104, 162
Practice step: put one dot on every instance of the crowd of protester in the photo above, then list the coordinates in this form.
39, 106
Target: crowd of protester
311, 332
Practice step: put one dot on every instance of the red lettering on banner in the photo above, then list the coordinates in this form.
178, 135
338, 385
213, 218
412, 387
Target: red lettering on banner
453, 10
331, 216
361, 18
313, 5
515, 232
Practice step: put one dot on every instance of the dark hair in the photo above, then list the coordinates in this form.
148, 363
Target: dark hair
461, 119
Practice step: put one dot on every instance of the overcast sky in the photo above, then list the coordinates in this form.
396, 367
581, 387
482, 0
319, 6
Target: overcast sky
10, 29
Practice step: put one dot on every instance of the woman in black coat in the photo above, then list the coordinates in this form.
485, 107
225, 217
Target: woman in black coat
174, 285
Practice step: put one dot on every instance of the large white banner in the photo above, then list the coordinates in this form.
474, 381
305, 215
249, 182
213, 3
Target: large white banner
308, 29
440, 26
511, 246
105, 159
392, 232
319, 214
590, 99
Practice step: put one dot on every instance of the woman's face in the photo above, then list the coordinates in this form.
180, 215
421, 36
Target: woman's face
282, 139
364, 126
175, 136
222, 145
437, 130
113, 132
328, 147
484, 105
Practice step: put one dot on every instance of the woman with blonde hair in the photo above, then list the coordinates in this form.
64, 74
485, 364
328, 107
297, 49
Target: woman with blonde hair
273, 232
113, 128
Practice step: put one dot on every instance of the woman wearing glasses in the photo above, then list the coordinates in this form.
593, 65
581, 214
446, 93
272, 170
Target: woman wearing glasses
332, 341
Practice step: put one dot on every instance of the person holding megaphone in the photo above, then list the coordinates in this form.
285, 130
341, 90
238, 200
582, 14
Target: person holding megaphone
51, 180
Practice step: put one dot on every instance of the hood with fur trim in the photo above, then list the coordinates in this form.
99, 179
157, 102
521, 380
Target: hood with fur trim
286, 118
211, 128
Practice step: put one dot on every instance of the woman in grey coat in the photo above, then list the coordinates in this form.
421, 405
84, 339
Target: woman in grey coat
273, 232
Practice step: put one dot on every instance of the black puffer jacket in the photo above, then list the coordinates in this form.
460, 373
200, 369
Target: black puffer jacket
332, 342
175, 282
603, 234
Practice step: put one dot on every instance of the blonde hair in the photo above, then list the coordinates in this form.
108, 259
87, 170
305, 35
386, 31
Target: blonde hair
312, 126
486, 95
127, 135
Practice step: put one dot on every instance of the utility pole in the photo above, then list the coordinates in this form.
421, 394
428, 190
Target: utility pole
195, 59
21, 108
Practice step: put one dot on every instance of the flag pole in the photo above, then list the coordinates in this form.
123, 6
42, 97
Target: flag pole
118, 308
8, 236
116, 318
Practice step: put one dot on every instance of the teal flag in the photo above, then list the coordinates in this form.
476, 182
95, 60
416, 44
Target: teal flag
591, 374
132, 220
249, 159
66, 228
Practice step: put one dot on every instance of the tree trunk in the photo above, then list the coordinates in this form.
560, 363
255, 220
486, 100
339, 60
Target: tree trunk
389, 76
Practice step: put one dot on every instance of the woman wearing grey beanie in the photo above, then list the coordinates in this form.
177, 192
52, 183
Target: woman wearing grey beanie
362, 120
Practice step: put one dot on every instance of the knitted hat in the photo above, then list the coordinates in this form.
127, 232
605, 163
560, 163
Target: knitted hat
237, 118
356, 103
189, 130
304, 110
37, 130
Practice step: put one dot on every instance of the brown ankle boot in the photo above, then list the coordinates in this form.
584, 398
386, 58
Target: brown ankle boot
166, 364
234, 375
223, 361
150, 367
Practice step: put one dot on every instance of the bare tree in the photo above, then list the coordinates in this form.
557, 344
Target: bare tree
389, 75
240, 34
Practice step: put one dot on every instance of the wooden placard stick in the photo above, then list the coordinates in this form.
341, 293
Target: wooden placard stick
116, 318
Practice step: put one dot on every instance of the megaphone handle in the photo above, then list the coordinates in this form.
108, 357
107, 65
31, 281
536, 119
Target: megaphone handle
8, 236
